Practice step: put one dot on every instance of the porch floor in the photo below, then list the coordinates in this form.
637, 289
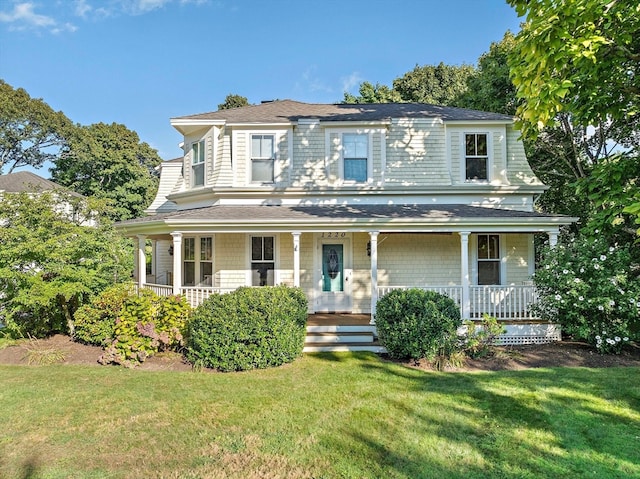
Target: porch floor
338, 319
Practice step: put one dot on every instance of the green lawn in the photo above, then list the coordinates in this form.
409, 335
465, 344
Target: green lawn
325, 416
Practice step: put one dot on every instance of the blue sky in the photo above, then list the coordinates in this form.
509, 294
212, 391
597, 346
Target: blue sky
141, 62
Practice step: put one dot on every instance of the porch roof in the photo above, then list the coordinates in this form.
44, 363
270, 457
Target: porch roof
416, 217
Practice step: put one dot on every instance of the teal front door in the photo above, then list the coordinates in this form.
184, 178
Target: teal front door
335, 275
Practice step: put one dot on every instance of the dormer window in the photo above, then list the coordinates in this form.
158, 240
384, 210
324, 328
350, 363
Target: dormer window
262, 158
197, 163
476, 157
355, 157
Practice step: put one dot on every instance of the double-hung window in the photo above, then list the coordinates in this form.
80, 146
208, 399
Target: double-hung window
476, 157
262, 260
488, 259
355, 157
262, 158
197, 163
206, 260
197, 261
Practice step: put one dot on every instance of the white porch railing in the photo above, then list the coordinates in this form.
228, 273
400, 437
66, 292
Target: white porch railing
196, 294
502, 302
159, 289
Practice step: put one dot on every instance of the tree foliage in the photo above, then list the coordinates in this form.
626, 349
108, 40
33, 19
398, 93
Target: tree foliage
233, 101
52, 261
580, 57
438, 84
110, 162
31, 132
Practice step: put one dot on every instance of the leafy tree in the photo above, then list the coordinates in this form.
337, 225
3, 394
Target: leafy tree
490, 88
52, 261
581, 57
373, 94
438, 84
110, 162
31, 133
233, 101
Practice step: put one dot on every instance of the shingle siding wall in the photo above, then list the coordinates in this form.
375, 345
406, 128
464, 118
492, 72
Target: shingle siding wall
517, 254
308, 167
518, 172
415, 259
230, 260
416, 154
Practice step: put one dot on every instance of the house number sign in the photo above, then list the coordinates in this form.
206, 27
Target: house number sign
334, 235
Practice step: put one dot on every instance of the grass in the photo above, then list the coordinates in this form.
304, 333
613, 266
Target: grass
324, 416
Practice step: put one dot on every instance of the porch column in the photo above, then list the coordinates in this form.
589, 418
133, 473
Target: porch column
296, 258
464, 268
142, 261
373, 238
553, 238
177, 262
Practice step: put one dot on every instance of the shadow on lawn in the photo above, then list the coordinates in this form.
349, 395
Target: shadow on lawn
533, 423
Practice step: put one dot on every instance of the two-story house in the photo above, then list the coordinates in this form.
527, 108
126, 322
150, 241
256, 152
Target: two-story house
349, 202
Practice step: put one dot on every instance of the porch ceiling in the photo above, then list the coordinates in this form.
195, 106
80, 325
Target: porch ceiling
399, 218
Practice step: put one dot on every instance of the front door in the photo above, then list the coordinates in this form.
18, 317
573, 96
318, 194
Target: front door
334, 282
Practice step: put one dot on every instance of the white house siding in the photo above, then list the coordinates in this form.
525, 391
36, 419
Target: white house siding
241, 151
284, 255
223, 165
163, 261
518, 268
519, 172
230, 260
306, 266
361, 279
308, 156
418, 260
416, 154
169, 176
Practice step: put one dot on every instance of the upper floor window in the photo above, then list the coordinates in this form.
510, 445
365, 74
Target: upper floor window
488, 259
476, 157
355, 157
262, 260
197, 163
262, 158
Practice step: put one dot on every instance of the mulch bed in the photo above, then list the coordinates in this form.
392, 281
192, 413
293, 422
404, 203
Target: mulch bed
557, 354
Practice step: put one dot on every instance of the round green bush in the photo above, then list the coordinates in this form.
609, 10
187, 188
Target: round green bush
416, 324
95, 322
248, 328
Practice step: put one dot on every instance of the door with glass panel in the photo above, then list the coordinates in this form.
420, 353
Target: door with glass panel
334, 284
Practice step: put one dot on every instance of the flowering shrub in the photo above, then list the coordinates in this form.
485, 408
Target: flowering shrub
586, 287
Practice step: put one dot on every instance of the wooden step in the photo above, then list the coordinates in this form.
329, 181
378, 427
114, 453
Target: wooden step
359, 337
343, 347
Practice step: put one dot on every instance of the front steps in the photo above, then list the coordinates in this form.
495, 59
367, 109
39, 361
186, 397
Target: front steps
327, 337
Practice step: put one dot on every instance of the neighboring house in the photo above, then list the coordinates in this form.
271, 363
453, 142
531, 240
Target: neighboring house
349, 202
28, 182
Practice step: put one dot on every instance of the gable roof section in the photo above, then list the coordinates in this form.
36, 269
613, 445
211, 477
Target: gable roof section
289, 111
25, 181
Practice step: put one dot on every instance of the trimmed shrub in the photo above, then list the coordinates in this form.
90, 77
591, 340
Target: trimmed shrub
416, 324
248, 328
95, 323
147, 324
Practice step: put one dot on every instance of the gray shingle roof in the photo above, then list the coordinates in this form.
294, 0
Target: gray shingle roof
26, 181
294, 214
285, 111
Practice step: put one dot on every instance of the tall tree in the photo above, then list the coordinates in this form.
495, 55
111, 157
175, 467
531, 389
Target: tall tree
438, 84
110, 162
233, 101
580, 57
51, 263
31, 133
490, 88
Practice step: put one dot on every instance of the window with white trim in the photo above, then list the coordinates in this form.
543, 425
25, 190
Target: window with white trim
262, 158
489, 259
262, 260
197, 163
355, 157
476, 156
197, 261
